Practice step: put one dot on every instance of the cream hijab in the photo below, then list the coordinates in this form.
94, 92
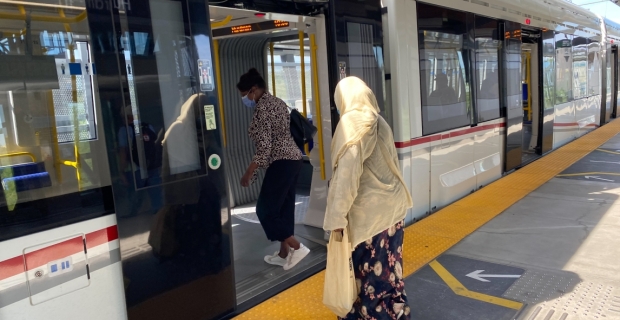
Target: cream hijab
359, 115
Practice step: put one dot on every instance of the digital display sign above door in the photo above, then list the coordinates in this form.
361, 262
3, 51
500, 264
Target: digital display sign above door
245, 28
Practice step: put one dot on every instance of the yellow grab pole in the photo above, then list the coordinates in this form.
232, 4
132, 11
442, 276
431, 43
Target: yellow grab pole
74, 95
55, 146
220, 93
303, 80
222, 23
273, 70
317, 102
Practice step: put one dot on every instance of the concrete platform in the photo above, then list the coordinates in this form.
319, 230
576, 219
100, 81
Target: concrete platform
565, 235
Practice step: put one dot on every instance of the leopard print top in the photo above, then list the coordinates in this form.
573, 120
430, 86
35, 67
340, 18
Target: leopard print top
271, 132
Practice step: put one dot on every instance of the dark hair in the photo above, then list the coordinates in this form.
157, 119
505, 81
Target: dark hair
250, 79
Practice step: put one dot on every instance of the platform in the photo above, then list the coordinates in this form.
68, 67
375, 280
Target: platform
542, 243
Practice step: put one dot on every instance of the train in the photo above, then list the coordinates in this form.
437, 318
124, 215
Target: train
123, 137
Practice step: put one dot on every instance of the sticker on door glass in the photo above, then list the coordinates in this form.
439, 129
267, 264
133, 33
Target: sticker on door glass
205, 75
215, 162
210, 117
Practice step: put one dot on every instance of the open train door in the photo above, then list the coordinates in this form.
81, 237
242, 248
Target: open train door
511, 95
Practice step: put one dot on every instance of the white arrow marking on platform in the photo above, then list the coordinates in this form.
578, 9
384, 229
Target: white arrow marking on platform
615, 162
481, 277
598, 178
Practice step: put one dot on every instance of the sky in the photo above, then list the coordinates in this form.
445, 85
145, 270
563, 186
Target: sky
604, 8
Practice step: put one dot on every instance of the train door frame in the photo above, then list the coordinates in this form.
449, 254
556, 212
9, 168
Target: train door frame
614, 81
536, 38
511, 100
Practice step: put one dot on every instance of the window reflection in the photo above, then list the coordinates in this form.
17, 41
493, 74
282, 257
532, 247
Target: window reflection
594, 68
445, 67
548, 69
487, 59
580, 68
563, 68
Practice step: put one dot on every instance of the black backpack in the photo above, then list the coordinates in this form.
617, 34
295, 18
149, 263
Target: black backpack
152, 148
301, 129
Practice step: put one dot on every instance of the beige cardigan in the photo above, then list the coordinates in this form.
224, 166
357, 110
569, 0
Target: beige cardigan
367, 192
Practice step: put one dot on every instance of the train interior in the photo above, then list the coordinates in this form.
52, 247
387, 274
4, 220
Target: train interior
282, 51
47, 99
530, 63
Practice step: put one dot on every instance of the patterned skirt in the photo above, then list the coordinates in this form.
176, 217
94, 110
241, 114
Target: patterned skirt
378, 266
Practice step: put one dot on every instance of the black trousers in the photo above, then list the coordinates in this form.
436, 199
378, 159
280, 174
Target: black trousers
276, 203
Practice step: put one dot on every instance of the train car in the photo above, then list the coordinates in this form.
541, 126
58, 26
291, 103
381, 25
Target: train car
123, 136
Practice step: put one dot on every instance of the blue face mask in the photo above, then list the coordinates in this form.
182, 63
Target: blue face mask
248, 103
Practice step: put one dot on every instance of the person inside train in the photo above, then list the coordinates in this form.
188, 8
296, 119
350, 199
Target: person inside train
489, 86
151, 146
276, 152
443, 94
368, 196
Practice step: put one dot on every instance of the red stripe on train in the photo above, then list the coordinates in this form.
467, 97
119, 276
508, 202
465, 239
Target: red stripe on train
439, 136
16, 265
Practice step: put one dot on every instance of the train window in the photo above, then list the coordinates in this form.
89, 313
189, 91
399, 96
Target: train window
594, 68
364, 47
487, 76
563, 68
444, 67
287, 77
580, 68
548, 69
53, 170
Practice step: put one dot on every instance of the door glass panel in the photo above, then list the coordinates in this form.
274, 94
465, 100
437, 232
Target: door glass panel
487, 65
169, 179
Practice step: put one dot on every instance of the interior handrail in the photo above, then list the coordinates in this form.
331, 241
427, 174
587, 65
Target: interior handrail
222, 23
43, 18
220, 92
19, 154
317, 102
303, 81
273, 70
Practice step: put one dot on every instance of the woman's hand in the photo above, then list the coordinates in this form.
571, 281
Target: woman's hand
247, 177
245, 180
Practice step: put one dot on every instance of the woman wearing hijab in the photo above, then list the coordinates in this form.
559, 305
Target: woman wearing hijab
277, 152
368, 195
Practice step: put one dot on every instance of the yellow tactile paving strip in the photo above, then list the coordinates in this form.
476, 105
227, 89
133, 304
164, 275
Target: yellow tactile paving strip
427, 239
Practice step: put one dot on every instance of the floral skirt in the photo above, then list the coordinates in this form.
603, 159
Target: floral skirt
378, 266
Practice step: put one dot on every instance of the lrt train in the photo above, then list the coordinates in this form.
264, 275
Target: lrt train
123, 138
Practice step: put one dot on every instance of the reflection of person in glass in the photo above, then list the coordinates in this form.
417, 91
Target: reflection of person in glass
489, 87
277, 152
151, 142
189, 227
444, 94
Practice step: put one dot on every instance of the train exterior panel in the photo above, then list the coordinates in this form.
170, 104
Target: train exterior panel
453, 163
30, 290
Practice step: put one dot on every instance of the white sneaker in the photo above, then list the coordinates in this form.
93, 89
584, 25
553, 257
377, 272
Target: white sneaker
295, 256
276, 260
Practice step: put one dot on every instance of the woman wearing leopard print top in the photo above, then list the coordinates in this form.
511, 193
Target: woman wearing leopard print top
277, 152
